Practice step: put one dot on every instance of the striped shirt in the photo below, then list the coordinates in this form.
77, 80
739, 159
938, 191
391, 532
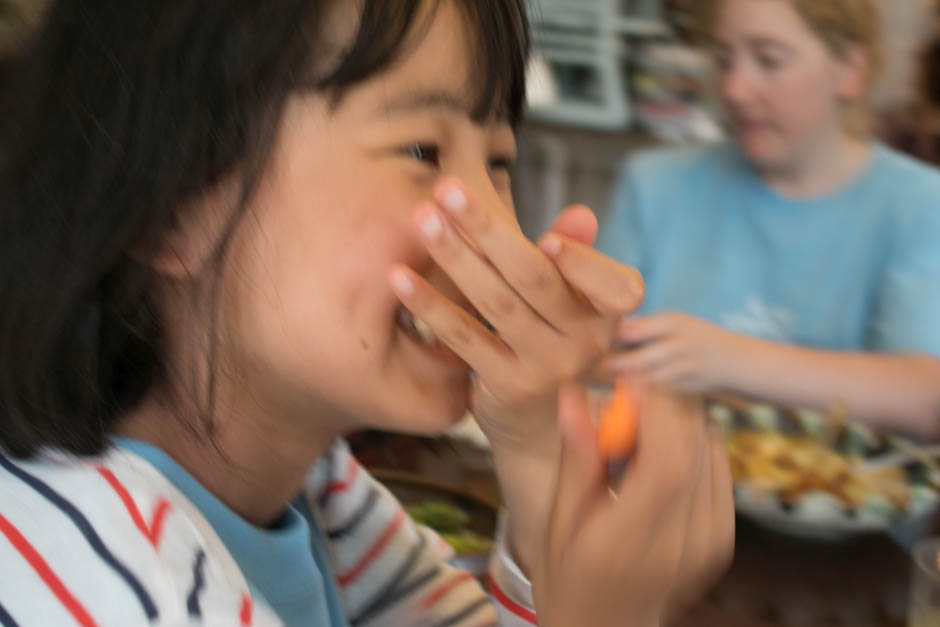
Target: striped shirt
114, 541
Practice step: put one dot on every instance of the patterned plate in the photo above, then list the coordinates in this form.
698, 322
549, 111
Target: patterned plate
801, 473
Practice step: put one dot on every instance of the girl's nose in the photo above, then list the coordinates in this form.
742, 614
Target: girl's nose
736, 85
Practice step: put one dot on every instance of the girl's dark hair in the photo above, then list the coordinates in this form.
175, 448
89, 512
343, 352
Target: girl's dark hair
120, 112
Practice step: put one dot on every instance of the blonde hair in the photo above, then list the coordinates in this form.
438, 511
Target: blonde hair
840, 25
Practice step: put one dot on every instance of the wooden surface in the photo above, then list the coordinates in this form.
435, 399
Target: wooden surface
777, 581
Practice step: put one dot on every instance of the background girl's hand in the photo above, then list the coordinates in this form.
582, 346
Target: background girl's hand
676, 350
555, 307
639, 557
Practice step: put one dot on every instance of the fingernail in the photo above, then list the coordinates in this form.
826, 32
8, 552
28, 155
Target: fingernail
402, 283
551, 245
454, 200
431, 225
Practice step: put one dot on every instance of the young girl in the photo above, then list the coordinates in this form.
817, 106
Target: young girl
799, 264
233, 231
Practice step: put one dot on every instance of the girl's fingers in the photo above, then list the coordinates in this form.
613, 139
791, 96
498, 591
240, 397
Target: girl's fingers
670, 444
642, 329
576, 222
611, 287
481, 283
524, 268
674, 373
643, 359
710, 530
452, 325
711, 525
722, 487
581, 473
657, 493
696, 557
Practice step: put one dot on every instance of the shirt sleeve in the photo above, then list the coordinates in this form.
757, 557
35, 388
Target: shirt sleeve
906, 315
109, 541
510, 588
391, 571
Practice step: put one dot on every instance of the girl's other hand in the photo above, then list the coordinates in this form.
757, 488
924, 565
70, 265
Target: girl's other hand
639, 555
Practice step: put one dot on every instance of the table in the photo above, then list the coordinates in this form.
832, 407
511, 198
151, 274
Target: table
774, 581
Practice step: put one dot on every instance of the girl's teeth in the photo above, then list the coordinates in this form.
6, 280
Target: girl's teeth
424, 331
405, 320
416, 327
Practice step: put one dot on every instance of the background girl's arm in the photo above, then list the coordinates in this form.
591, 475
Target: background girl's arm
898, 392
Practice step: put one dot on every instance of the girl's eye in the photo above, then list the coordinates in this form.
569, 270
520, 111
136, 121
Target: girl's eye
500, 171
426, 153
768, 62
721, 60
501, 164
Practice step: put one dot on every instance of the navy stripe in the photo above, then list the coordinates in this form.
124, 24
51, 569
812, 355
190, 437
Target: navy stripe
357, 517
192, 600
389, 593
468, 611
419, 581
330, 469
398, 594
5, 619
84, 526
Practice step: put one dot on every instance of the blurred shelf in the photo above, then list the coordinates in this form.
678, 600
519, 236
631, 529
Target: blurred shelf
641, 27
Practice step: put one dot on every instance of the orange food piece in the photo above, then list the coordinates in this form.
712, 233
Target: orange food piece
616, 433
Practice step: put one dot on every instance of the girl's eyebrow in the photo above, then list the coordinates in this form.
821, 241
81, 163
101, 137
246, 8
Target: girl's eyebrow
768, 42
757, 41
419, 101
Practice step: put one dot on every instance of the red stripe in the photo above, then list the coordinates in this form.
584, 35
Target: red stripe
159, 516
441, 591
341, 486
245, 614
503, 599
52, 581
374, 551
151, 532
125, 497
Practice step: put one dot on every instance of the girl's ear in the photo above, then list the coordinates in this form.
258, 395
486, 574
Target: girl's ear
855, 70
190, 242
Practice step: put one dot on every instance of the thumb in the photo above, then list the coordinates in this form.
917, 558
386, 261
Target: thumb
576, 222
581, 472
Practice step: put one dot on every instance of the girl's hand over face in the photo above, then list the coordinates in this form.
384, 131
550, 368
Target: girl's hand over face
636, 556
555, 307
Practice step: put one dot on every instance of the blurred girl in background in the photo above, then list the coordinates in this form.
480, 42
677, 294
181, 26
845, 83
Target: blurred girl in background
798, 264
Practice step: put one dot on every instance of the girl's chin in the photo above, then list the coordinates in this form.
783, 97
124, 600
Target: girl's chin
758, 151
430, 413
445, 420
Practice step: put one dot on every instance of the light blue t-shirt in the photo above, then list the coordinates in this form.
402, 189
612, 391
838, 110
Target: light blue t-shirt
858, 269
286, 566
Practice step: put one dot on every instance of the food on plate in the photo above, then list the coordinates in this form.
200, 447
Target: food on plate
451, 523
791, 466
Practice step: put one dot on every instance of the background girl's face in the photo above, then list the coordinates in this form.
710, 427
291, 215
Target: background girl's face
313, 329
781, 86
